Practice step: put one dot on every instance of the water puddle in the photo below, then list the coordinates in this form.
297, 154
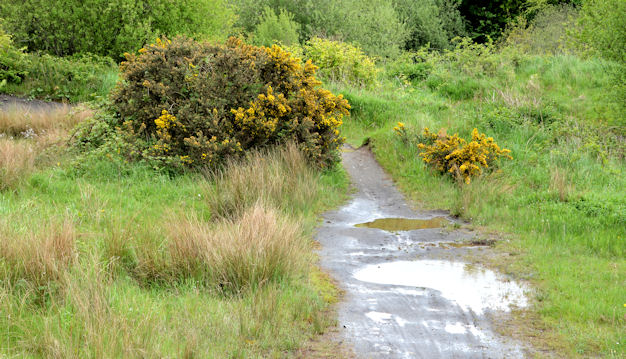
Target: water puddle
404, 224
471, 288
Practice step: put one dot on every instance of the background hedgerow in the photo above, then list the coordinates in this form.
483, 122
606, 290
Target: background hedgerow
110, 28
196, 104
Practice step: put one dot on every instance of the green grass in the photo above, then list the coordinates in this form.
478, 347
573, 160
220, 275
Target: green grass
562, 197
120, 293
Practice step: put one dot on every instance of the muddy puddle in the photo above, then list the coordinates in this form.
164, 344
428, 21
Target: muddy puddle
474, 289
404, 224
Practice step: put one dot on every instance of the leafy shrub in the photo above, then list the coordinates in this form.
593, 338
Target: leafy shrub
430, 22
487, 19
13, 62
457, 157
196, 104
374, 25
110, 27
547, 33
603, 28
74, 79
410, 66
339, 61
274, 28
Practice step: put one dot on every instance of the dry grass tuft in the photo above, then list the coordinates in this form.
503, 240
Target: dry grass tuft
559, 184
40, 257
26, 121
27, 134
17, 158
239, 254
281, 178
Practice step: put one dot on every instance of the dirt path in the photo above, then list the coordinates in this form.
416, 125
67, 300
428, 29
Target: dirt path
408, 292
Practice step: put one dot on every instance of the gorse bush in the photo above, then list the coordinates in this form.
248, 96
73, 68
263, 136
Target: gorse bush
195, 104
339, 61
453, 155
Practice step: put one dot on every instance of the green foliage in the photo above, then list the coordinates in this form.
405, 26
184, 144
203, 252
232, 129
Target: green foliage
73, 79
13, 62
186, 103
375, 26
342, 62
549, 32
487, 19
603, 28
433, 22
110, 28
274, 28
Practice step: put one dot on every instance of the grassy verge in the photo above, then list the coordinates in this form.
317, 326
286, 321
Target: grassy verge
103, 258
562, 198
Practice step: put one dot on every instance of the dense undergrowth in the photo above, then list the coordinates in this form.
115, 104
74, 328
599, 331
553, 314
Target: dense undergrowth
561, 198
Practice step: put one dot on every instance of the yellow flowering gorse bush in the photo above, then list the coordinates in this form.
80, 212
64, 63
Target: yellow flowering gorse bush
199, 103
453, 155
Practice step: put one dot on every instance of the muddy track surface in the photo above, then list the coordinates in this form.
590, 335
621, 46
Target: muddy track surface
409, 293
8, 102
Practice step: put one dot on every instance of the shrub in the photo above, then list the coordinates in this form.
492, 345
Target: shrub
411, 66
547, 33
110, 27
13, 62
457, 157
374, 25
339, 61
74, 79
196, 104
430, 22
274, 28
603, 28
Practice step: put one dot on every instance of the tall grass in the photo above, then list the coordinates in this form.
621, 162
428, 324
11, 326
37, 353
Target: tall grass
242, 253
22, 120
152, 272
39, 256
27, 134
279, 178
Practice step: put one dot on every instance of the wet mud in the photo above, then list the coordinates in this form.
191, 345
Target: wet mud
409, 291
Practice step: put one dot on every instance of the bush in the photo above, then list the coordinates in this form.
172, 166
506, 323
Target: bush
603, 28
110, 27
547, 33
196, 104
454, 156
73, 79
411, 66
375, 26
342, 62
431, 22
13, 62
274, 28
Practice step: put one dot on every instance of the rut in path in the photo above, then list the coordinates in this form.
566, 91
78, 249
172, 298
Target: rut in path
408, 292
